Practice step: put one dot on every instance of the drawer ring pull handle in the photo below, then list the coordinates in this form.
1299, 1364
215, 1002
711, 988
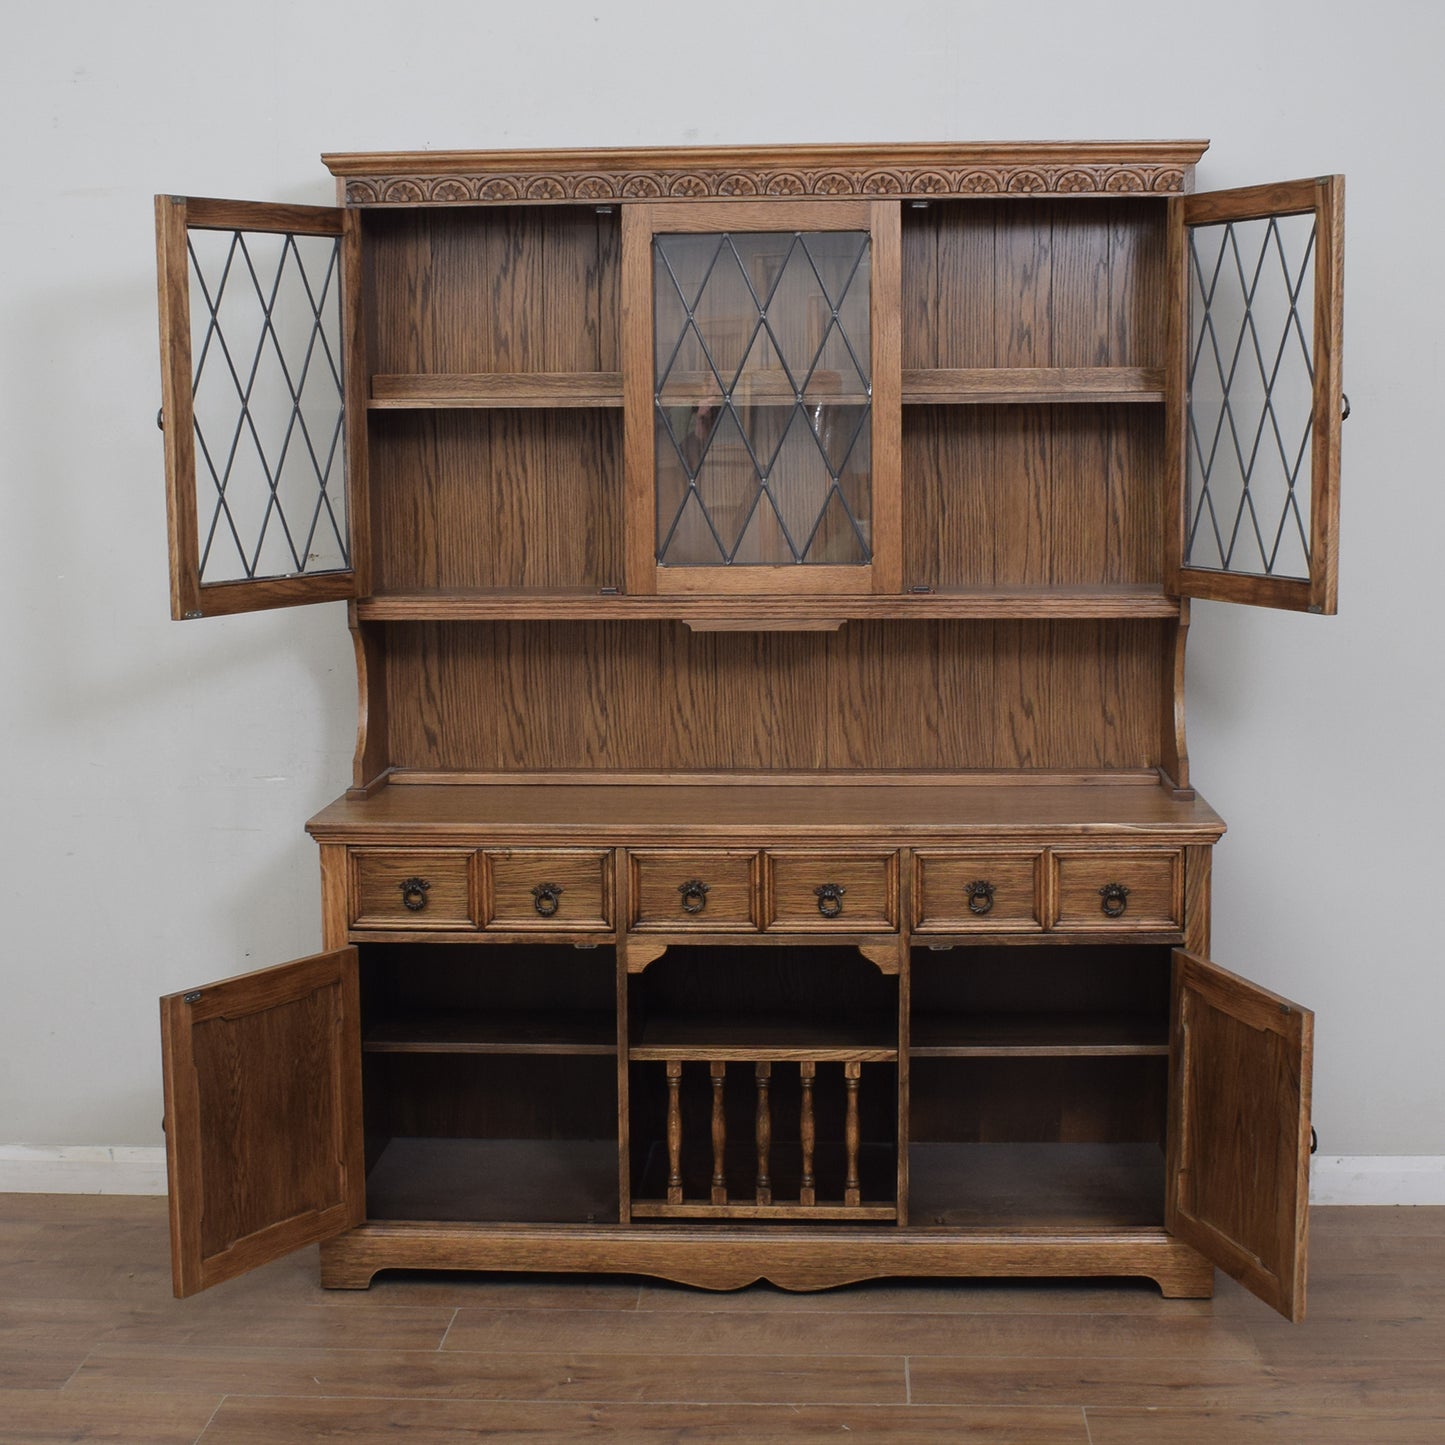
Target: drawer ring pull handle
413, 894
1115, 899
830, 899
694, 895
980, 896
547, 898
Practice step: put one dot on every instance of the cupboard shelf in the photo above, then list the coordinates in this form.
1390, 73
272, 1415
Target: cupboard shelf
492, 1032
1030, 1035
440, 391
996, 385
764, 1040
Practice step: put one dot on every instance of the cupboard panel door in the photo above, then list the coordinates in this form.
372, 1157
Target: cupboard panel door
1256, 402
263, 1116
260, 372
1239, 1129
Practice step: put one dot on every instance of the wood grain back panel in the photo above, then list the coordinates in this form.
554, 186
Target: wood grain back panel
1034, 283
506, 498
1032, 496
875, 695
500, 289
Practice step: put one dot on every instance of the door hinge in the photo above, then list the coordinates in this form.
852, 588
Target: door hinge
192, 997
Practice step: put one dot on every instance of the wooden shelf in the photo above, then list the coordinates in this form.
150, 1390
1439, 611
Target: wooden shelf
467, 1032
492, 1180
759, 1040
437, 390
989, 385
770, 613
763, 388
1030, 1035
1036, 1186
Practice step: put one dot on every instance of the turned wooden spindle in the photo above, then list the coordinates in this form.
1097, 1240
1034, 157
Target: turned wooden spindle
852, 1192
765, 1134
808, 1133
719, 1136
674, 1131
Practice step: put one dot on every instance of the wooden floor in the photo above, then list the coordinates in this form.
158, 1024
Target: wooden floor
93, 1347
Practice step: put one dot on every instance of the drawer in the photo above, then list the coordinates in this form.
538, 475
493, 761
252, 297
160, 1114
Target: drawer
693, 888
977, 892
831, 891
411, 888
547, 890
1112, 889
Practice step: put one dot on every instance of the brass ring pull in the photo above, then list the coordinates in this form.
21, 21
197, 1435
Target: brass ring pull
694, 895
980, 896
547, 898
1115, 900
830, 899
413, 894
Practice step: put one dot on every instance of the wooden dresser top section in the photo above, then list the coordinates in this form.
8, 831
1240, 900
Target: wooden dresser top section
756, 813
1075, 168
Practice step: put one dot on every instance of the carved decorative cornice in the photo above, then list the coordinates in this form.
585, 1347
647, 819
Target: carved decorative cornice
502, 177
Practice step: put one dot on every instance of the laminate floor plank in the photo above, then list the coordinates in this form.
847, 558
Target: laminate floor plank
1235, 1427
33, 1417
245, 1421
704, 1332
794, 1378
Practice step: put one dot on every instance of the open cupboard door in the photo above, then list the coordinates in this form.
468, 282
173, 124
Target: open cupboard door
1239, 1129
264, 1144
1256, 401
262, 389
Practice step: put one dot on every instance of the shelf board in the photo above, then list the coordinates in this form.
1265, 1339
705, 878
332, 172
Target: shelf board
762, 388
1036, 1186
763, 1040
1001, 385
764, 613
547, 1181
465, 1032
440, 390
1030, 1035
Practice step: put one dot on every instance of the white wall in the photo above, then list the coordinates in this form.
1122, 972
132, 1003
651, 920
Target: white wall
157, 775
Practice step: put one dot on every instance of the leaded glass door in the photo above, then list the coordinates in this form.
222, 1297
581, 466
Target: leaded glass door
264, 484
1259, 405
762, 396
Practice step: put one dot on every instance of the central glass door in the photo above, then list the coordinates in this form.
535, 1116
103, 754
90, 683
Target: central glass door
761, 371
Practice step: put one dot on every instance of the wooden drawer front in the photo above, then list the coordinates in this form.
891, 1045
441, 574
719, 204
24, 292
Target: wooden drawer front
1112, 889
411, 888
859, 892
547, 890
978, 892
695, 888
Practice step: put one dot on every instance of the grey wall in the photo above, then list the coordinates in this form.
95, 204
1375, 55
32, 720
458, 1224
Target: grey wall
157, 775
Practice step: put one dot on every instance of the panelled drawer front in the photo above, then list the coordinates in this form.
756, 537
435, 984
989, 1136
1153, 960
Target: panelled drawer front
695, 888
411, 888
542, 890
827, 891
978, 892
1131, 889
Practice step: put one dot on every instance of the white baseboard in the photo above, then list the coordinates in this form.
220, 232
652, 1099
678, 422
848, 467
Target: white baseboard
103, 1169
81, 1169
1377, 1179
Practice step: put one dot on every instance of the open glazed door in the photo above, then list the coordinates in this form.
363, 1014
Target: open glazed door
1239, 1129
259, 372
264, 1142
1256, 402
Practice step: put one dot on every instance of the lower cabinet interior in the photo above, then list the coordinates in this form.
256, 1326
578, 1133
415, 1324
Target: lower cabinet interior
763, 1084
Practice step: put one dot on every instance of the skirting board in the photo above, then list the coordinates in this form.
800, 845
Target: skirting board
101, 1169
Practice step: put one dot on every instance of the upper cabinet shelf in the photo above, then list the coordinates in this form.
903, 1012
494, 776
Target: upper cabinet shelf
984, 385
438, 391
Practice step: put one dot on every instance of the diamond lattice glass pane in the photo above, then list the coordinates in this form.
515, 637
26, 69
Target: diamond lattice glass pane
267, 396
763, 409
1251, 396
